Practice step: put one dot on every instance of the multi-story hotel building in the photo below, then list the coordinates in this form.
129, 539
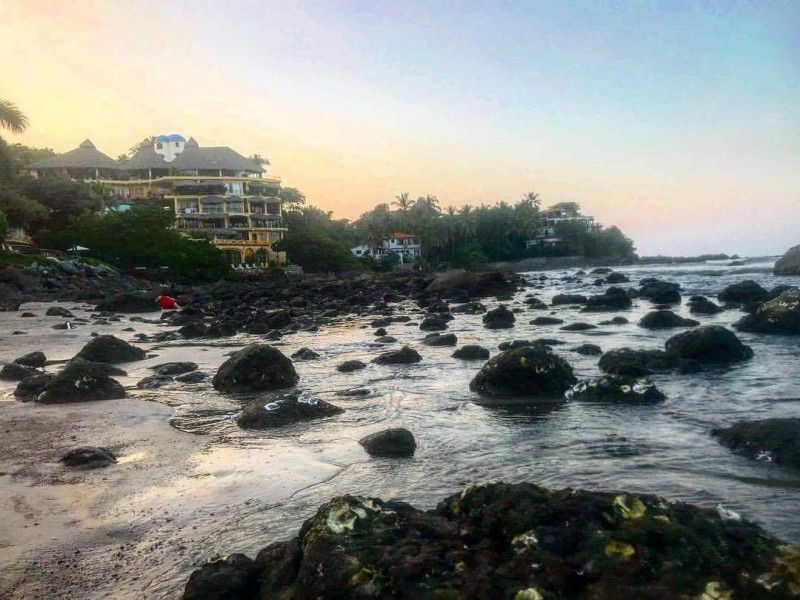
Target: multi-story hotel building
215, 191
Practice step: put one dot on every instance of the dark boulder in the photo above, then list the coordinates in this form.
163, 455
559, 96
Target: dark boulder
789, 263
354, 393
469, 308
58, 311
433, 323
561, 299
109, 349
771, 440
601, 271
665, 319
438, 339
546, 321
81, 381
711, 344
269, 413
129, 303
588, 350
471, 352
780, 316
634, 363
390, 443
30, 387
89, 457
617, 390
512, 541
499, 318
616, 277
174, 368
305, 354
404, 356
234, 577
16, 372
536, 304
700, 305
531, 371
451, 281
153, 382
615, 321
387, 339
349, 366
380, 332
256, 367
578, 327
193, 377
745, 292
660, 292
514, 344
614, 298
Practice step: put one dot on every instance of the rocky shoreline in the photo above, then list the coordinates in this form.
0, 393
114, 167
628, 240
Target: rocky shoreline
384, 554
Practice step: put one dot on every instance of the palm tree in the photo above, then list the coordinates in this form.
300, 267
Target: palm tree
12, 118
533, 198
432, 202
466, 221
404, 204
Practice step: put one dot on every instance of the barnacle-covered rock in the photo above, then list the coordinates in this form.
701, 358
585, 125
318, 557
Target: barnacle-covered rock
528, 371
779, 316
618, 390
517, 541
769, 440
272, 412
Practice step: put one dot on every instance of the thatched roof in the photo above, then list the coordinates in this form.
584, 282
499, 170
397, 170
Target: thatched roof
146, 158
85, 156
221, 157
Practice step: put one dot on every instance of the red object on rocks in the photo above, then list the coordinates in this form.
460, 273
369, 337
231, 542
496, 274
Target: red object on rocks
167, 303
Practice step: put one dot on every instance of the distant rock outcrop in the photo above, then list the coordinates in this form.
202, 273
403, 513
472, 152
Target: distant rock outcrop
789, 263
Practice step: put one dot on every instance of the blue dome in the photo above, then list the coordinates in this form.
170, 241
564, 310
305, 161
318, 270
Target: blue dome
176, 137
162, 138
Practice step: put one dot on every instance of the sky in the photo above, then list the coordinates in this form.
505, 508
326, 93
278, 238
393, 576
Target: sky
677, 121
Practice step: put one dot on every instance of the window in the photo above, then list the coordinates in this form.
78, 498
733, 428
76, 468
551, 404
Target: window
159, 146
177, 144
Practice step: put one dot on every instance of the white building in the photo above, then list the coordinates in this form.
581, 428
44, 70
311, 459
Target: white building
403, 245
550, 219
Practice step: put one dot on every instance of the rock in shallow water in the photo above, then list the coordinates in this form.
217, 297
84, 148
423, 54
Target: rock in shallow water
256, 367
499, 318
616, 390
780, 316
349, 366
789, 263
174, 368
305, 354
269, 413
770, 440
438, 339
404, 356
81, 381
390, 442
712, 344
529, 371
665, 319
471, 352
516, 541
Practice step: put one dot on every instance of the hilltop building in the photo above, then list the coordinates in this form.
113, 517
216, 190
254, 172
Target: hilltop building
215, 191
550, 219
403, 245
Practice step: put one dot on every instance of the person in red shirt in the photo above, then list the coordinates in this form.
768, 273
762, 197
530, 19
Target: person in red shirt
167, 303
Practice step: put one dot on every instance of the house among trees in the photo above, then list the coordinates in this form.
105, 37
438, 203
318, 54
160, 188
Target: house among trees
215, 192
558, 218
403, 245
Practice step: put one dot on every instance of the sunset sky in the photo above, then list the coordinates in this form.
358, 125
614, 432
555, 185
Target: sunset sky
677, 121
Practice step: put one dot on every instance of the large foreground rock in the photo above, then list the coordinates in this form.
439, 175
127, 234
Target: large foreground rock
81, 381
285, 410
516, 542
529, 371
109, 349
257, 367
712, 344
789, 263
779, 316
390, 442
770, 440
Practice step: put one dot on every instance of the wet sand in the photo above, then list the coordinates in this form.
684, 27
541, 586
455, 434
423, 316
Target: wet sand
110, 532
